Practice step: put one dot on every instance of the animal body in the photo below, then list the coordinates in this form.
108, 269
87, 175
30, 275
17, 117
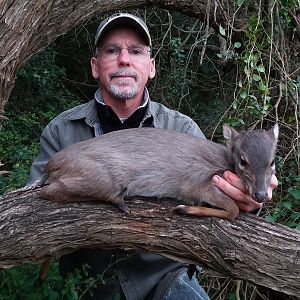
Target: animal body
161, 163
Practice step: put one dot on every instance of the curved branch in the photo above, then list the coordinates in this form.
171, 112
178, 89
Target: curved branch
26, 27
250, 248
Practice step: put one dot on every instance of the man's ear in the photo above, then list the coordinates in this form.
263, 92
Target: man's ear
94, 67
152, 70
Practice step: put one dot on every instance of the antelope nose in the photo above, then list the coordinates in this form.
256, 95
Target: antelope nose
260, 196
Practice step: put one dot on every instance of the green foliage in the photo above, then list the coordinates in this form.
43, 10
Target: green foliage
179, 53
266, 93
231, 296
21, 283
182, 82
41, 76
254, 86
39, 95
287, 209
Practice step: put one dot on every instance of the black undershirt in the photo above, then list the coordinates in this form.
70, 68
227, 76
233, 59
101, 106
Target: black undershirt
109, 121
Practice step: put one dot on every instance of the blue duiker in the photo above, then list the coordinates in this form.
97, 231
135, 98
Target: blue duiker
153, 162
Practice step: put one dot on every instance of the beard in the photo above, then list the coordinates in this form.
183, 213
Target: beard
123, 88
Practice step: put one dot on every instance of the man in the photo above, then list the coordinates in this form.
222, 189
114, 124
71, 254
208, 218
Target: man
123, 65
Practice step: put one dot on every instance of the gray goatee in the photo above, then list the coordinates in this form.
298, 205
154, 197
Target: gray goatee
117, 90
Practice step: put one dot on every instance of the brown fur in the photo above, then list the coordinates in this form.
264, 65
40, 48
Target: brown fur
162, 163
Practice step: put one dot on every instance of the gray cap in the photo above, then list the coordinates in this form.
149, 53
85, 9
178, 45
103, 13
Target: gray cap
123, 19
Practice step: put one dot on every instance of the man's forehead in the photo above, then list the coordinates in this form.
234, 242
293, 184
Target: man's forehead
118, 35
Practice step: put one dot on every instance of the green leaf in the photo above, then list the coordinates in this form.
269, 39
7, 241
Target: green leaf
261, 69
240, 2
256, 77
244, 94
221, 30
271, 218
295, 192
287, 205
290, 224
262, 87
295, 216
237, 45
231, 296
291, 119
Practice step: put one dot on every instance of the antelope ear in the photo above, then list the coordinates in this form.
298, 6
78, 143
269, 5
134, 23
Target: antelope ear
229, 133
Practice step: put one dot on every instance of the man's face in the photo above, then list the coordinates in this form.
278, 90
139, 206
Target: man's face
123, 64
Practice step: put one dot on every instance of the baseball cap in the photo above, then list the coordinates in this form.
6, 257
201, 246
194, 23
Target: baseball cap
123, 19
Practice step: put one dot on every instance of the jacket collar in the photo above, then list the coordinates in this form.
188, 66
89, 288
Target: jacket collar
88, 111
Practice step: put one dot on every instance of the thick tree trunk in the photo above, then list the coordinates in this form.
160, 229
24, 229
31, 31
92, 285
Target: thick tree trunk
26, 27
250, 248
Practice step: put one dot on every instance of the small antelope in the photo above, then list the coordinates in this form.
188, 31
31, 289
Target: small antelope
153, 162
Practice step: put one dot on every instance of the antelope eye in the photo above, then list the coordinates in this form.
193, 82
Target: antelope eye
243, 162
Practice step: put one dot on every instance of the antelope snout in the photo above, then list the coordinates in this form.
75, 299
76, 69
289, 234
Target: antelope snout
260, 196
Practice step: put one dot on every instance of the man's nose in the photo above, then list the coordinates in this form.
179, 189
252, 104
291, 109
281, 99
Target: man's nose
124, 57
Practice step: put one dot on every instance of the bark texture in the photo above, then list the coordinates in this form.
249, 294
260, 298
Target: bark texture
250, 248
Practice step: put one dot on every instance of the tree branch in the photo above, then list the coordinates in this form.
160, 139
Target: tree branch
250, 248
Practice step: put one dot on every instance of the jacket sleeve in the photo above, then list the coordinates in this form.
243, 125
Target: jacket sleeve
191, 127
49, 145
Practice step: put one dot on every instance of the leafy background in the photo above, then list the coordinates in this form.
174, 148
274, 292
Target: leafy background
212, 75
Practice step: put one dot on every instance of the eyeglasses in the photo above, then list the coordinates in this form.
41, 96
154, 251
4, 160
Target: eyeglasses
112, 52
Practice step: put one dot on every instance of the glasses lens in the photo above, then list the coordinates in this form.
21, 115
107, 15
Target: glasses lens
136, 52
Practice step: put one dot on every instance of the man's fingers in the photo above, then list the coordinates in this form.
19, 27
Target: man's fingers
235, 180
234, 187
241, 197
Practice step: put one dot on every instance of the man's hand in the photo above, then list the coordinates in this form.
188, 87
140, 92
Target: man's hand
232, 185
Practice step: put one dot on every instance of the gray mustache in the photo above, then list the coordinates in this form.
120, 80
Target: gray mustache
124, 72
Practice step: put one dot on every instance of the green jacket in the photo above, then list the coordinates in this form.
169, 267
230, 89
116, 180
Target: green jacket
140, 273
